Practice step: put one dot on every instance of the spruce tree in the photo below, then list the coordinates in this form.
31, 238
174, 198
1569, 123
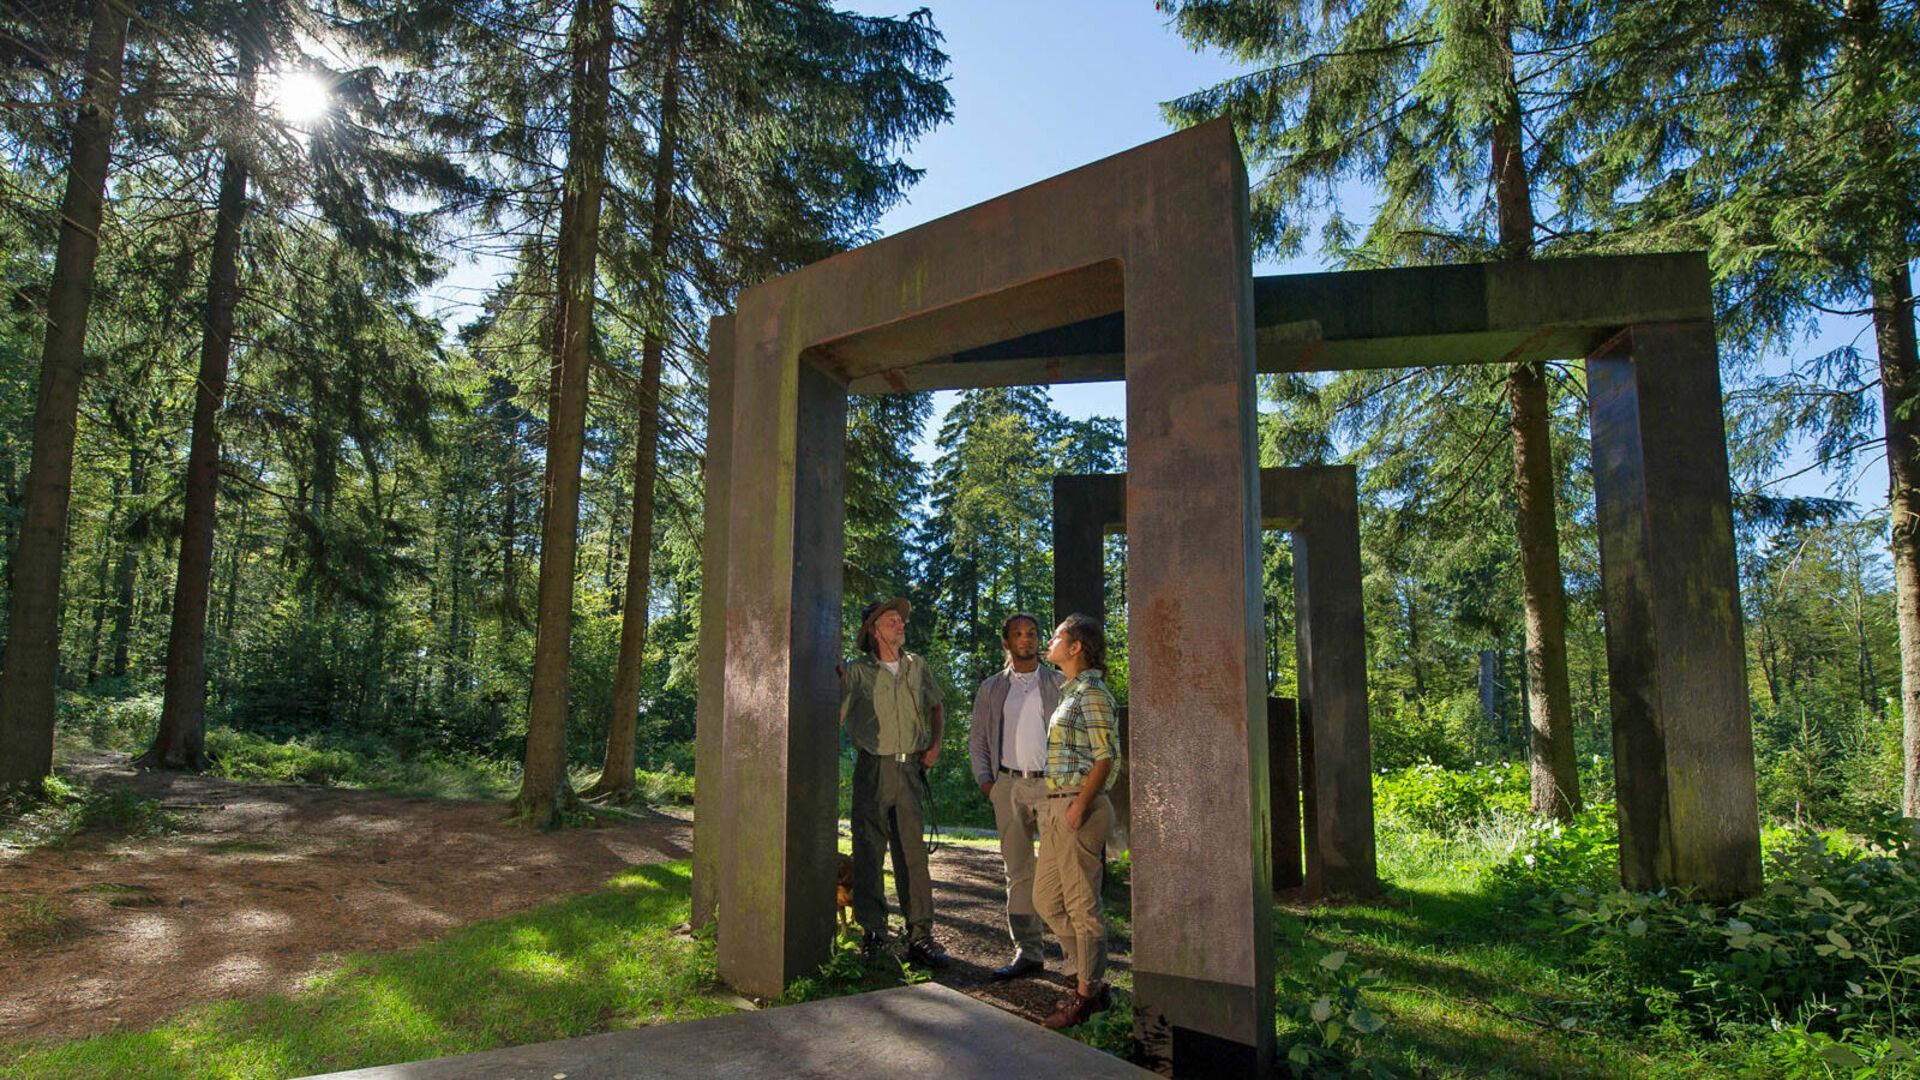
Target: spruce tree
1433, 99
1781, 138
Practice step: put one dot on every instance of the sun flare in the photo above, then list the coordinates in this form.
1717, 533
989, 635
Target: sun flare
301, 97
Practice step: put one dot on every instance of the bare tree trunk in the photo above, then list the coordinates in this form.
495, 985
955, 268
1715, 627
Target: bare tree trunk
181, 741
543, 788
1899, 381
101, 569
33, 616
616, 772
1555, 769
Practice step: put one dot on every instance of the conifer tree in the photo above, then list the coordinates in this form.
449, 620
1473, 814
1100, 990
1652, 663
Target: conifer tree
1433, 98
1782, 139
32, 654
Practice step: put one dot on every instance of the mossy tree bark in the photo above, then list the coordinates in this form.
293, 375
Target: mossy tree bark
32, 659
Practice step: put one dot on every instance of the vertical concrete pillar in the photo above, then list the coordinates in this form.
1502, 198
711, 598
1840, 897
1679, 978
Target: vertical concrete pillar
709, 793
785, 553
1083, 508
1676, 657
1203, 959
1332, 648
1283, 771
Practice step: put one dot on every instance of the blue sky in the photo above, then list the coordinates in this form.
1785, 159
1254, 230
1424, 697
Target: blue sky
1041, 87
1044, 86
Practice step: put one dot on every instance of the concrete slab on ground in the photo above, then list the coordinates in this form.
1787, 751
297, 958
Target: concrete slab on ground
924, 1030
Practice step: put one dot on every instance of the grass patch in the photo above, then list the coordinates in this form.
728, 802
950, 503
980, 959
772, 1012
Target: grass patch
61, 814
28, 923
601, 961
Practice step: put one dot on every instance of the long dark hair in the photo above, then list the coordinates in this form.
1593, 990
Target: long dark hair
1086, 630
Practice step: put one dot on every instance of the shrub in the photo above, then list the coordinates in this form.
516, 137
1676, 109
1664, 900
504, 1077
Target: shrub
1564, 856
1437, 800
1832, 943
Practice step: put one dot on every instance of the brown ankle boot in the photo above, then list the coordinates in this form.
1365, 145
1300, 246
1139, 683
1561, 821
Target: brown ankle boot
1076, 1009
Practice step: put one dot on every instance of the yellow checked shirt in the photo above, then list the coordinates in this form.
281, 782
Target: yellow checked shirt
1083, 730
886, 713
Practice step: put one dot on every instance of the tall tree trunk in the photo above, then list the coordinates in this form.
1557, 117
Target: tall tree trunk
543, 788
1554, 767
101, 569
33, 616
181, 741
126, 576
1893, 312
616, 771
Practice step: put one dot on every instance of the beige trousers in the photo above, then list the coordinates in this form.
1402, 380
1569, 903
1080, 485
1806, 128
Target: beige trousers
1019, 805
1066, 884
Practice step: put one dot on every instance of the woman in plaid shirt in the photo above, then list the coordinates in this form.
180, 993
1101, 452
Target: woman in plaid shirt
1083, 749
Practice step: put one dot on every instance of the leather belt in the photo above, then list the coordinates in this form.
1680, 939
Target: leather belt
1062, 794
1029, 774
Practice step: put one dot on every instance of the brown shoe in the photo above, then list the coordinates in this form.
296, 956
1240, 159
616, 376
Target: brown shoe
1076, 1009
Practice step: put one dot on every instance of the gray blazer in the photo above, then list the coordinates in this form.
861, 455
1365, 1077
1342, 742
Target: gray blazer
989, 713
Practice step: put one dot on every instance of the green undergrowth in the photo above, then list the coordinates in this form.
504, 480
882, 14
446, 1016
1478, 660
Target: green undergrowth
61, 813
1503, 947
600, 961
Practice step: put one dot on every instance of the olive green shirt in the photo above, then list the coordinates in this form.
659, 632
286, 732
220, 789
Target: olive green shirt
886, 713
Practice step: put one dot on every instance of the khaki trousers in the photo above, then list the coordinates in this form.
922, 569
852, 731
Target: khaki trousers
1066, 884
1019, 803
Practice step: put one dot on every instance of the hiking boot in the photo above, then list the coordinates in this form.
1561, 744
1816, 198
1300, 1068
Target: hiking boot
873, 945
928, 953
1076, 1010
1024, 964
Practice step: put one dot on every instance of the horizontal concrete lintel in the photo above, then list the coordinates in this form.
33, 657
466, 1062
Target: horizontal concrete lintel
946, 373
1360, 319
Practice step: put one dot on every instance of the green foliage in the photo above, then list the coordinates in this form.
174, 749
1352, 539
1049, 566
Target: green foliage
1582, 854
349, 761
1439, 800
61, 813
1327, 997
1832, 945
847, 972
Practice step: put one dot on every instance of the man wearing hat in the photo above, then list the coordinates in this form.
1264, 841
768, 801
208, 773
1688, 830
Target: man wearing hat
891, 706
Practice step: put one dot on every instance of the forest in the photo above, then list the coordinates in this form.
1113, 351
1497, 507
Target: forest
267, 511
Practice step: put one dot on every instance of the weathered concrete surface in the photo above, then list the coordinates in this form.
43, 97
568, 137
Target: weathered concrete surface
1085, 510
785, 547
1283, 770
709, 828
1173, 214
1676, 655
913, 1031
1320, 505
1470, 314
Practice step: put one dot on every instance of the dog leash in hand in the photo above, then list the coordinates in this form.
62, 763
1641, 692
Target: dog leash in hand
932, 834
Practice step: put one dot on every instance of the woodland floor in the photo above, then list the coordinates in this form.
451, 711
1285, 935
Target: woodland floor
258, 887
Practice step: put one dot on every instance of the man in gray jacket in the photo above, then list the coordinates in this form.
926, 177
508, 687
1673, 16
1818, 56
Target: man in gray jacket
1008, 745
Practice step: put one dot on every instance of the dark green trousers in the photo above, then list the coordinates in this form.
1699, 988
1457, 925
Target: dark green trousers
887, 813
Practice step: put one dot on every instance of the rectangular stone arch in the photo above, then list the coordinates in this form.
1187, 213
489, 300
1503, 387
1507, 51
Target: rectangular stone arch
1319, 506
1158, 236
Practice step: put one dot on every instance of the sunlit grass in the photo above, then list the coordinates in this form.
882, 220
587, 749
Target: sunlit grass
601, 961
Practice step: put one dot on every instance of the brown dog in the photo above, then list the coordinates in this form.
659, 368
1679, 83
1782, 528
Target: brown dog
843, 893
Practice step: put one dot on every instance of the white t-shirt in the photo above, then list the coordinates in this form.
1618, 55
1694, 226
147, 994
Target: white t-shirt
892, 666
1023, 732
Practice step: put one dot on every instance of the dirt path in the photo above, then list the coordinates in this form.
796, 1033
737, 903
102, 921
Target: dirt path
261, 886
